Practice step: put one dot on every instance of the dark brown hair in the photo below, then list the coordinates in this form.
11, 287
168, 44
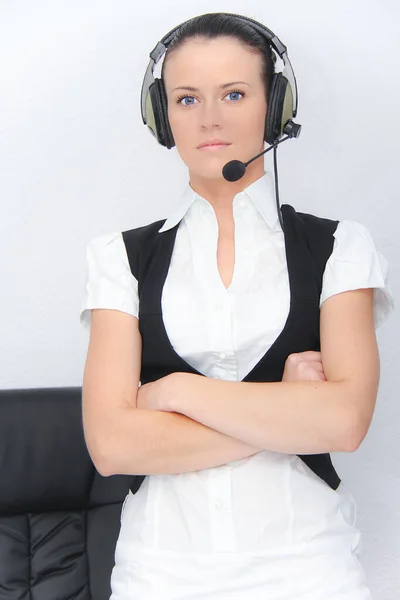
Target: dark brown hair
213, 25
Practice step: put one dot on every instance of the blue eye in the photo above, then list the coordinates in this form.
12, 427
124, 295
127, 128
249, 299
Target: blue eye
236, 92
179, 100
183, 98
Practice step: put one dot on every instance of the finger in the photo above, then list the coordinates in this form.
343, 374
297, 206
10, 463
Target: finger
315, 376
319, 372
312, 365
318, 366
310, 370
309, 355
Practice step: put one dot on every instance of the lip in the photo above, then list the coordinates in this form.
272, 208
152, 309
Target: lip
213, 147
212, 143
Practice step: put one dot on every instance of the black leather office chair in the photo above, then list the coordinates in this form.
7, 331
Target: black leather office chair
59, 518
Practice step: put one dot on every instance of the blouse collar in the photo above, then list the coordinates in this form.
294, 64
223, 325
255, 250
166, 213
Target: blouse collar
261, 192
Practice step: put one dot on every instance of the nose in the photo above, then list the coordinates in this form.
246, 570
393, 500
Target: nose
210, 114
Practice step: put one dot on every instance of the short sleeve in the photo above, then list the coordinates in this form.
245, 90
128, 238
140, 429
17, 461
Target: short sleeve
110, 282
356, 263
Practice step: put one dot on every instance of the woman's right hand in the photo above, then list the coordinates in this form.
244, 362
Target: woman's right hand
304, 366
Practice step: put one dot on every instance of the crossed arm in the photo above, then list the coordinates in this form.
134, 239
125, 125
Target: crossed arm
301, 417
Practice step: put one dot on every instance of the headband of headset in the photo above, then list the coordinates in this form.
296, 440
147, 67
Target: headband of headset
283, 97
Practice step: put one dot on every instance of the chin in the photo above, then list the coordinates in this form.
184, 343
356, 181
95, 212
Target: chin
210, 167
211, 172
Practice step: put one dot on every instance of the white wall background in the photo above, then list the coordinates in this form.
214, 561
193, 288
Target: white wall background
76, 161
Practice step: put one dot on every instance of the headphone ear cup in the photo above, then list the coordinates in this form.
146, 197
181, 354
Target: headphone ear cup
153, 113
159, 107
280, 108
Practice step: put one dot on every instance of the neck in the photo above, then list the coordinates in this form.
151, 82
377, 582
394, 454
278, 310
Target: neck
220, 192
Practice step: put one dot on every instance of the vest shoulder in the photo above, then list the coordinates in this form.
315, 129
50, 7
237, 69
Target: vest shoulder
310, 221
143, 232
139, 242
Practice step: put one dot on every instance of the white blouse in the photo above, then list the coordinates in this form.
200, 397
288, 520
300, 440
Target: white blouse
267, 503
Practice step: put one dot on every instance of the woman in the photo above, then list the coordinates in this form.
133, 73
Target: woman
225, 341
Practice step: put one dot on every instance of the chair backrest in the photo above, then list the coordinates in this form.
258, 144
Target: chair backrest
59, 518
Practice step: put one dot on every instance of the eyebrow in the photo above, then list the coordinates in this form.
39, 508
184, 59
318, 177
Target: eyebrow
224, 85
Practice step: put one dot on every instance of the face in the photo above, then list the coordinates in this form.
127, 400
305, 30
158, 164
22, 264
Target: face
234, 113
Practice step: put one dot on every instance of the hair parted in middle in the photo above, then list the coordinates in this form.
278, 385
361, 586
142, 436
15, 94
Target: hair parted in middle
212, 25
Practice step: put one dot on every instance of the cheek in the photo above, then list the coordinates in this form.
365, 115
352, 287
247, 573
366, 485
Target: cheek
180, 125
252, 128
257, 116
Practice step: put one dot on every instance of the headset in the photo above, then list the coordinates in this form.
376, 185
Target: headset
282, 105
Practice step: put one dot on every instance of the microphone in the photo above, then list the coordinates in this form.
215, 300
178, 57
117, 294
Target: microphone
235, 169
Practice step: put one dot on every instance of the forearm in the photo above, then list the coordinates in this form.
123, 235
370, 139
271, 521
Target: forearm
303, 417
146, 442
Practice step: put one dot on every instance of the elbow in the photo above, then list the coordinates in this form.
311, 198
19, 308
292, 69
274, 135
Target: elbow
351, 443
362, 417
107, 465
106, 460
112, 446
356, 438
100, 461
102, 466
355, 414
359, 406
112, 458
99, 455
346, 429
355, 432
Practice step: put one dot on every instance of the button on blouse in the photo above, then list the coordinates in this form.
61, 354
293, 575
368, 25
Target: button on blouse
223, 333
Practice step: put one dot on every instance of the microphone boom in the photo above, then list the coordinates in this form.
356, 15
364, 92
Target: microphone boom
235, 169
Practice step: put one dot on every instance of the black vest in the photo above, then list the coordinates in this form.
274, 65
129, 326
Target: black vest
308, 242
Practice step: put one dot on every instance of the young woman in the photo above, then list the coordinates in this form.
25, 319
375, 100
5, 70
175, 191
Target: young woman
254, 342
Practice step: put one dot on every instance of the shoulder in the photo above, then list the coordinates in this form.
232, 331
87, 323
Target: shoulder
353, 233
354, 244
107, 249
117, 251
115, 241
317, 231
110, 282
310, 220
110, 239
355, 263
143, 232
